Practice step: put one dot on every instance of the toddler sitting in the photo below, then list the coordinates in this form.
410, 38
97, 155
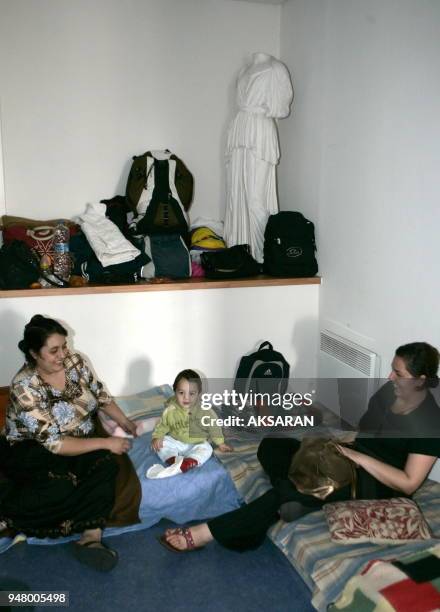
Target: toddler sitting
180, 438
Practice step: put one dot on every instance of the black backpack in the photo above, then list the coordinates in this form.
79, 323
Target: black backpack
19, 266
235, 262
260, 375
264, 371
289, 245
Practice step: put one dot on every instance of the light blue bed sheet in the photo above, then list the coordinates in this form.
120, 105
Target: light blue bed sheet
201, 493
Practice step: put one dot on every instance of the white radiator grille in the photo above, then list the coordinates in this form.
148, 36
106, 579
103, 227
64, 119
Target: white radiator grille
347, 352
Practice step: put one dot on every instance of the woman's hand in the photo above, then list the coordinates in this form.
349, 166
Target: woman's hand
225, 448
129, 427
157, 444
352, 454
118, 446
407, 480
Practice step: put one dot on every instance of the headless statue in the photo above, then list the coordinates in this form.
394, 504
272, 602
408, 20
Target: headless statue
264, 93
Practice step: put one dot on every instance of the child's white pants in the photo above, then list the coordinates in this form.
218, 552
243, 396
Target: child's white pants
201, 452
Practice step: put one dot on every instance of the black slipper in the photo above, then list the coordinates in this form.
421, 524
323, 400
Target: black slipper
96, 555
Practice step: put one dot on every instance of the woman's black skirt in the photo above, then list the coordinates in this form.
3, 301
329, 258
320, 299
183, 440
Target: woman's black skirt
49, 495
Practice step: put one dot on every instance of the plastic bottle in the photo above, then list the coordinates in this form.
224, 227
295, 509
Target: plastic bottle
61, 259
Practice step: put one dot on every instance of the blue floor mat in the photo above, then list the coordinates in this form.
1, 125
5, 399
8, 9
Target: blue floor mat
149, 577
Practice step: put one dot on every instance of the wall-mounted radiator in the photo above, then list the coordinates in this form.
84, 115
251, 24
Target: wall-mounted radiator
348, 376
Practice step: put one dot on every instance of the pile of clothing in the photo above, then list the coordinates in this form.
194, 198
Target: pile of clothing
101, 252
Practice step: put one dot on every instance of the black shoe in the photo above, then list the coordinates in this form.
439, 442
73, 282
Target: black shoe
96, 555
290, 511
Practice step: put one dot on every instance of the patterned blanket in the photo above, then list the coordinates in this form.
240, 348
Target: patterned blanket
413, 583
325, 566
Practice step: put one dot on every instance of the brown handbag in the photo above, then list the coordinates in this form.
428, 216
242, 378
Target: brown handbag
319, 469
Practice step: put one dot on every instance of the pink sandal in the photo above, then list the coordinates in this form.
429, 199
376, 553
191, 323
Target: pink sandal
183, 531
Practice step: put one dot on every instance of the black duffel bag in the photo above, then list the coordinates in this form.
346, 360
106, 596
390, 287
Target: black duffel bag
234, 262
19, 266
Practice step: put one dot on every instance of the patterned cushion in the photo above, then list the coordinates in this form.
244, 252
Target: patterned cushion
390, 521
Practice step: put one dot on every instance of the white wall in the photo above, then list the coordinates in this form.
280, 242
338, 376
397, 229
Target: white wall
2, 184
136, 340
361, 159
86, 85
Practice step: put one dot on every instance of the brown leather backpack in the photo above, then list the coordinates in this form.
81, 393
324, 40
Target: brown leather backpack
318, 468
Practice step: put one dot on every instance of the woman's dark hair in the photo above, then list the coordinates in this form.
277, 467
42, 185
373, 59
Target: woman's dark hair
36, 333
190, 376
421, 359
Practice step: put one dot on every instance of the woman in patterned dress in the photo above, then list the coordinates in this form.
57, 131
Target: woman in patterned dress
62, 474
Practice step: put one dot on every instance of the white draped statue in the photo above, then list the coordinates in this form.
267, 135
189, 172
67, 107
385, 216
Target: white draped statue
264, 93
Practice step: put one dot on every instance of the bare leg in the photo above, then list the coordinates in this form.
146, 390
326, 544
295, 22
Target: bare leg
91, 551
90, 535
200, 534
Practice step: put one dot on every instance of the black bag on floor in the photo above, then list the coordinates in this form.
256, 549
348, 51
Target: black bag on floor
289, 245
264, 371
262, 375
235, 262
19, 266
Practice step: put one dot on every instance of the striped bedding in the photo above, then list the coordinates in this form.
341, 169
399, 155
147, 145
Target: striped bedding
324, 566
243, 466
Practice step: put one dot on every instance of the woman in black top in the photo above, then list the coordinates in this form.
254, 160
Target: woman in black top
399, 435
398, 443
